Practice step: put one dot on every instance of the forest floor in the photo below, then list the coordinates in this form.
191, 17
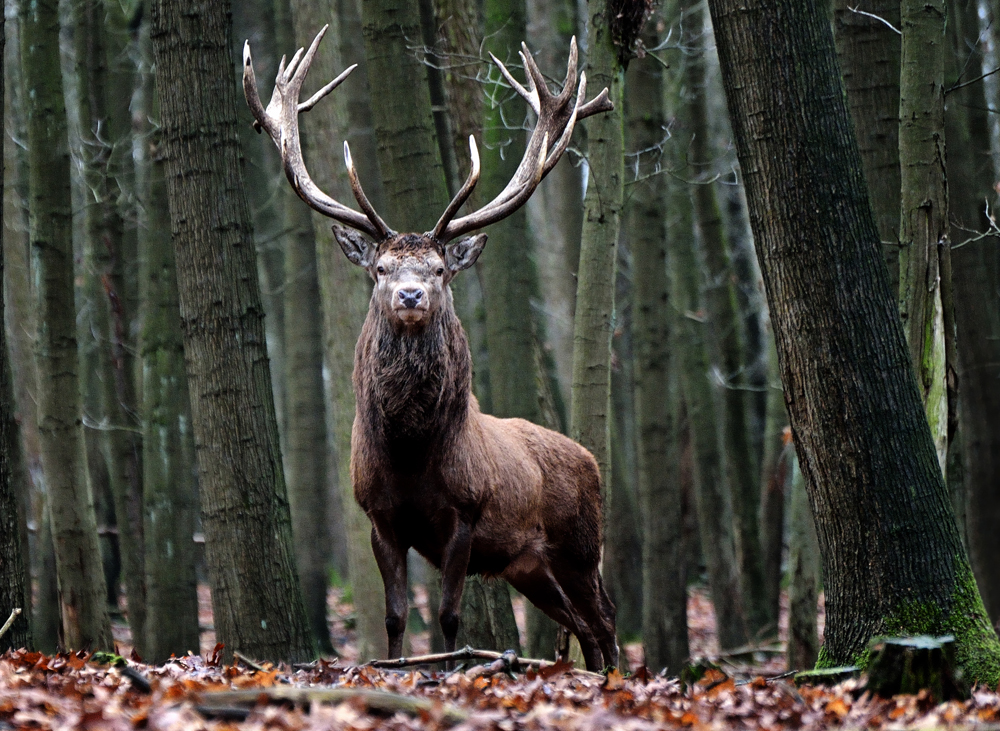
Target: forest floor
84, 691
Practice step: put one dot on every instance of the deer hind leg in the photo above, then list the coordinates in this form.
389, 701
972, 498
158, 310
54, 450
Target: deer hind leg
533, 578
391, 560
588, 597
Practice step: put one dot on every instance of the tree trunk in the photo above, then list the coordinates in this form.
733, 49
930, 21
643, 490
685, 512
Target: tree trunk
664, 573
104, 251
713, 500
856, 414
15, 584
74, 527
976, 265
803, 577
168, 470
305, 418
256, 596
592, 326
727, 350
773, 479
925, 302
869, 53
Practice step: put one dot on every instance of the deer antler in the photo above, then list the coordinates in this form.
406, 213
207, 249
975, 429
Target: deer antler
557, 115
281, 122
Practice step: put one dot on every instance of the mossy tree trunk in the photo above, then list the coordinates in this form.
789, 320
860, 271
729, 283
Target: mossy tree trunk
858, 421
70, 503
925, 302
976, 266
869, 53
169, 499
727, 348
664, 573
256, 597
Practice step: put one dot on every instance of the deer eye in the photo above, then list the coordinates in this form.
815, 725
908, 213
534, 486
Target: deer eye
380, 269
440, 271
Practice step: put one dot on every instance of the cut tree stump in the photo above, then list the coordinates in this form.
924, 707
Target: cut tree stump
907, 665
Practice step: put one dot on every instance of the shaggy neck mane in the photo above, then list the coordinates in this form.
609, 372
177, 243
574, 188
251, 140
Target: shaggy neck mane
413, 387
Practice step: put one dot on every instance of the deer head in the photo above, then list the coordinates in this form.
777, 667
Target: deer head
412, 271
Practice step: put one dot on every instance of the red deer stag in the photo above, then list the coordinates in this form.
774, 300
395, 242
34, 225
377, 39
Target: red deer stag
472, 493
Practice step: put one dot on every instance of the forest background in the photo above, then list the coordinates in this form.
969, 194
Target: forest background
180, 329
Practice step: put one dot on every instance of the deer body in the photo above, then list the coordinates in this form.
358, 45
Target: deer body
472, 493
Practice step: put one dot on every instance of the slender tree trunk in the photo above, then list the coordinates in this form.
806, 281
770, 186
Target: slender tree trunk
869, 53
803, 577
713, 500
664, 598
256, 596
15, 583
169, 501
728, 355
121, 445
74, 527
773, 479
925, 302
976, 266
859, 426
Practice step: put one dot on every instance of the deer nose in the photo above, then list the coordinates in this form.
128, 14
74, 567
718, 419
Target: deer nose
410, 298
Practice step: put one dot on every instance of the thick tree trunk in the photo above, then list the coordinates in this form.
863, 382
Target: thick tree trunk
664, 573
869, 53
925, 302
74, 527
976, 266
856, 414
168, 468
256, 596
728, 356
104, 244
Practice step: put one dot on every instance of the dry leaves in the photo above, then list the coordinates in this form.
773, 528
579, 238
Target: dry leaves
72, 691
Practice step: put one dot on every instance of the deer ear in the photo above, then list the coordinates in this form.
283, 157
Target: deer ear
358, 249
463, 254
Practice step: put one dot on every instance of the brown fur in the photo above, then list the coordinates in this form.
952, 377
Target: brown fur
470, 492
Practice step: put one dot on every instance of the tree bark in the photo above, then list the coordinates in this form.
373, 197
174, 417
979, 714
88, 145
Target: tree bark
74, 527
803, 577
976, 265
664, 573
106, 301
869, 53
169, 501
713, 500
925, 302
256, 597
892, 557
727, 349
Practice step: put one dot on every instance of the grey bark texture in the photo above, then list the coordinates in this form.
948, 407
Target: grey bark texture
70, 503
256, 597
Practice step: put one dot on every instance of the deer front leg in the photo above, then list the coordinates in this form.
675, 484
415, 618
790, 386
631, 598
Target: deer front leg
454, 564
391, 560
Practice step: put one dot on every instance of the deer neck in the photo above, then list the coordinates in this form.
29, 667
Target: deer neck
413, 386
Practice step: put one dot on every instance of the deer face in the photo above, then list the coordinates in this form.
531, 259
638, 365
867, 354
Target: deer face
411, 271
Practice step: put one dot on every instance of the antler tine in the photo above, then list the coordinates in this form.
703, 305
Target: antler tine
556, 121
463, 194
281, 121
361, 198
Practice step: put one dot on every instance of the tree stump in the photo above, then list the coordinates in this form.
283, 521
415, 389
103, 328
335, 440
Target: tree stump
907, 665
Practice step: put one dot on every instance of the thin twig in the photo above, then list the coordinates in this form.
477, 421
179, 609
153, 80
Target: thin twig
970, 81
466, 653
893, 28
10, 620
248, 662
